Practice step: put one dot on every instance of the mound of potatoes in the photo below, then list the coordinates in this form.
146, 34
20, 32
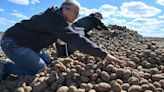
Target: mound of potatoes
83, 73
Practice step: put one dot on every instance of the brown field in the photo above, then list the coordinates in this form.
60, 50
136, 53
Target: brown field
159, 41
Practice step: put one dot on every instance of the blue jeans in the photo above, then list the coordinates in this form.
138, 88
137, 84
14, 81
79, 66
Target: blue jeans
25, 60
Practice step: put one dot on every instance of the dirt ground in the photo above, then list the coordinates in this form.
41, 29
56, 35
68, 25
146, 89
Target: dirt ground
158, 41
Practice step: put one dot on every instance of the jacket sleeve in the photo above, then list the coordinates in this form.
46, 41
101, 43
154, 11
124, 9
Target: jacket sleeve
72, 38
100, 25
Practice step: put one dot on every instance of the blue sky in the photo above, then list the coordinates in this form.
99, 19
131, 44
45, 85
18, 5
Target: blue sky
144, 16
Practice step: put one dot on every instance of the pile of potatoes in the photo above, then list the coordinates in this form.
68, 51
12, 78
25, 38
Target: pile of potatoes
79, 72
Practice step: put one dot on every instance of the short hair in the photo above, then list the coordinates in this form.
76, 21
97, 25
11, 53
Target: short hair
69, 3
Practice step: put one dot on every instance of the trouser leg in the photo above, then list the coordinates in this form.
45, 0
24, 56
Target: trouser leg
26, 61
45, 57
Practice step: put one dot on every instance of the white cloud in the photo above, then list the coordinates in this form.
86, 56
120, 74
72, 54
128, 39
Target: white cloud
5, 24
117, 21
35, 1
19, 15
108, 7
138, 9
24, 2
146, 26
1, 10
162, 29
85, 11
108, 10
20, 2
148, 21
161, 2
161, 17
109, 13
15, 10
4, 21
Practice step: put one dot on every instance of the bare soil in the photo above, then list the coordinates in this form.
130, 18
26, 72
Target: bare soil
158, 41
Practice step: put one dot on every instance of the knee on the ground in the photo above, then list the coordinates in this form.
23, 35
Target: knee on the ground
38, 69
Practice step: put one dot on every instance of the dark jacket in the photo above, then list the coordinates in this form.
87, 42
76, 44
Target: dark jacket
88, 23
42, 30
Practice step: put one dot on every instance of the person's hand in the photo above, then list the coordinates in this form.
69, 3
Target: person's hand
115, 60
60, 42
107, 31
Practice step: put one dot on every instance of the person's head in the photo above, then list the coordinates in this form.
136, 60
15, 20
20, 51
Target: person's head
70, 10
97, 15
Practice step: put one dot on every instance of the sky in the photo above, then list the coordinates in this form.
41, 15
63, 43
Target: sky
144, 16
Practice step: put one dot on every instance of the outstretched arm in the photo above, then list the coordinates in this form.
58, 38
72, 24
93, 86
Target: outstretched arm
114, 60
86, 46
101, 25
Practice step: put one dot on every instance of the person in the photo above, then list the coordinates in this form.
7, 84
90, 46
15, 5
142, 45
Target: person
90, 22
24, 42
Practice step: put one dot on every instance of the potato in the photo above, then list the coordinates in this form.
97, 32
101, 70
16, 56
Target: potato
20, 89
125, 86
72, 89
133, 81
105, 76
102, 87
116, 87
135, 88
28, 89
63, 89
